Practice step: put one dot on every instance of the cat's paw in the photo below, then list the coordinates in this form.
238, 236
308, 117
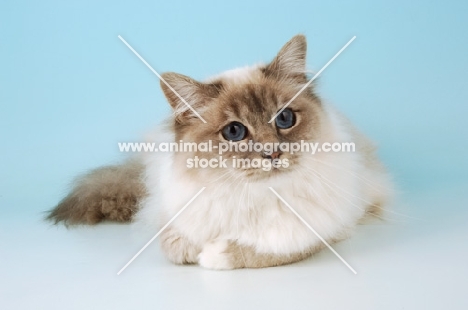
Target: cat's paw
214, 255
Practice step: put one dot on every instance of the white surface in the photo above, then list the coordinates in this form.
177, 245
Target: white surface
404, 263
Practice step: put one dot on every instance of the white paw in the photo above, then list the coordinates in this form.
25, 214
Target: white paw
213, 255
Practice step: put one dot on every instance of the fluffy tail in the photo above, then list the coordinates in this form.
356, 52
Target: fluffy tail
107, 193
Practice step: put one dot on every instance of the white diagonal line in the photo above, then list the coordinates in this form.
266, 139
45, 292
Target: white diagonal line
164, 81
161, 230
313, 78
313, 230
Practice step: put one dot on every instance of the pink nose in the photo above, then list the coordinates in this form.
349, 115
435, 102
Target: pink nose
275, 155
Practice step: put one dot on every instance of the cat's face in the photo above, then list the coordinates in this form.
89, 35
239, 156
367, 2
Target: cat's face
238, 106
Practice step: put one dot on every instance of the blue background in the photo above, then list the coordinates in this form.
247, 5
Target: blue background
70, 90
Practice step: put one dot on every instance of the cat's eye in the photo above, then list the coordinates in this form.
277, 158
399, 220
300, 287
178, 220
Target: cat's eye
234, 131
286, 119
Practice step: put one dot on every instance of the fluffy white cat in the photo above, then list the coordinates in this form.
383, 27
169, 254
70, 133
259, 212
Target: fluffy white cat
237, 221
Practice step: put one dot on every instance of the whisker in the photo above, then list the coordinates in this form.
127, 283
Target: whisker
337, 214
364, 200
353, 173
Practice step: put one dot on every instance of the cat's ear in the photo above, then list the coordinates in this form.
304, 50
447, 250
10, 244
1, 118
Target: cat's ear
291, 60
179, 88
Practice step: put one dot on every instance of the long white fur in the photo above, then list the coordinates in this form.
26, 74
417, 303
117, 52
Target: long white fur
331, 191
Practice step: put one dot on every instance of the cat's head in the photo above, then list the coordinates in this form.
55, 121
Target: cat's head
237, 107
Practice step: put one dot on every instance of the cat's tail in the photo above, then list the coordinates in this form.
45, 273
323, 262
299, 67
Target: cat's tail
107, 193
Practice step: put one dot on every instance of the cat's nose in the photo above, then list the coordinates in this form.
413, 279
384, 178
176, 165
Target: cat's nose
274, 155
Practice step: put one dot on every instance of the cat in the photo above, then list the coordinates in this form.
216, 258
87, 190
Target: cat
237, 221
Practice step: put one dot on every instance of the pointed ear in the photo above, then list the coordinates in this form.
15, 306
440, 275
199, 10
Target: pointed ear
180, 88
290, 61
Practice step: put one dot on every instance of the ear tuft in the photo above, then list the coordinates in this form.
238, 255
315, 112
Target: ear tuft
182, 91
291, 59
175, 85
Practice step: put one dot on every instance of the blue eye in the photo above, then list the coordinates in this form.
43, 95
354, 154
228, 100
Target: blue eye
286, 119
234, 131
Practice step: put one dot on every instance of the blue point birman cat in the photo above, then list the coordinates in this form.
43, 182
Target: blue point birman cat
237, 221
